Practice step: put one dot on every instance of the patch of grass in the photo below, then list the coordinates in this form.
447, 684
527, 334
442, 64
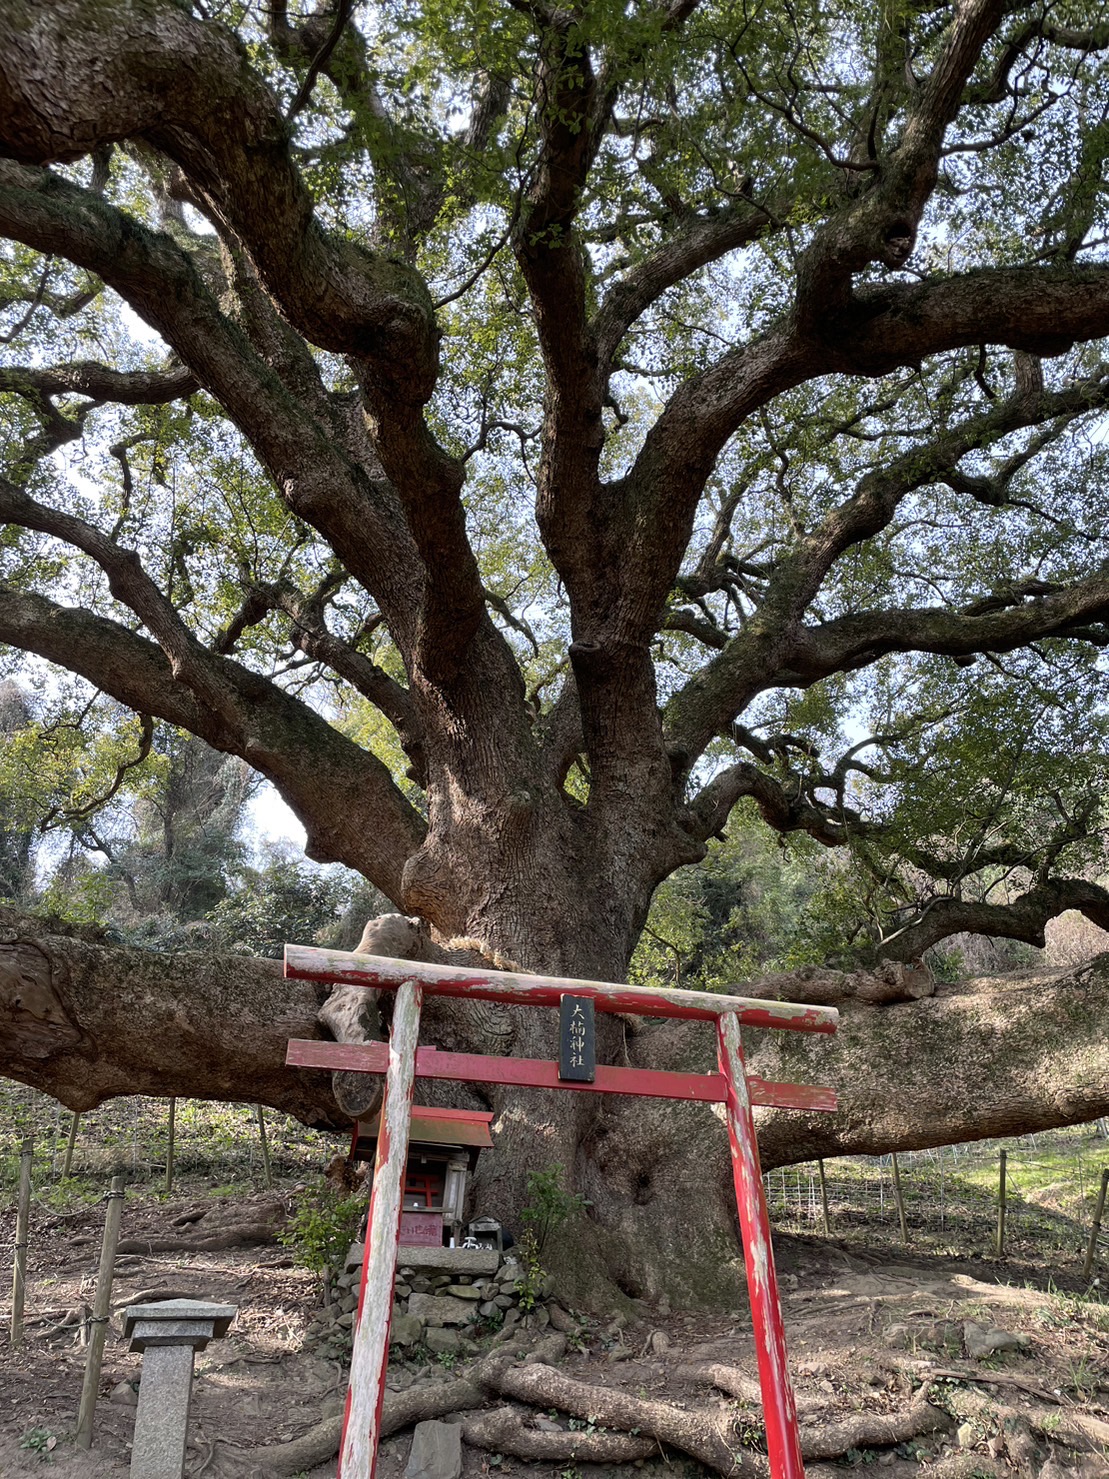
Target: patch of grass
216, 1143
950, 1195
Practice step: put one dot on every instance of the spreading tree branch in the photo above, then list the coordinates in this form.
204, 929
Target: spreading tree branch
1023, 918
697, 241
357, 513
78, 74
881, 226
268, 728
775, 647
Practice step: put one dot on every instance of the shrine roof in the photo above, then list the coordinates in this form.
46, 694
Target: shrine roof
434, 1126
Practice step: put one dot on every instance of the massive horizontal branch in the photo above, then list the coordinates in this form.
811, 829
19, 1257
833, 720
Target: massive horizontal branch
266, 726
100, 382
855, 641
988, 1057
85, 1020
1043, 310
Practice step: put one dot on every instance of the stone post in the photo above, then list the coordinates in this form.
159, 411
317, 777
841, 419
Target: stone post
168, 1334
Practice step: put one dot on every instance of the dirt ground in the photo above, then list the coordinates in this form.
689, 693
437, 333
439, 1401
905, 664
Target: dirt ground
863, 1331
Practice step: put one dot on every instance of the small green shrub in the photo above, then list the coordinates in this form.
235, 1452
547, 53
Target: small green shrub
549, 1206
322, 1228
41, 1441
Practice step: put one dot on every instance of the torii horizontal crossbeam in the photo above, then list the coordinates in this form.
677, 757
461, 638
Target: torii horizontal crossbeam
381, 973
539, 1073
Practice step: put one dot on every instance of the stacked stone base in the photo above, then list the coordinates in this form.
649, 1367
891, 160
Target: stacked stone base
447, 1301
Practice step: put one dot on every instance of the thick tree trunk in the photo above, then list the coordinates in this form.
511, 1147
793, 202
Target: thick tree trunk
85, 1020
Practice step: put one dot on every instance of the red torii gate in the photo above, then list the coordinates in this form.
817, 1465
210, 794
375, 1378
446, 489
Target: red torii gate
402, 1061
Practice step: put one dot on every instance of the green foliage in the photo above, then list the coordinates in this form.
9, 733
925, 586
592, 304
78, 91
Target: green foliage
284, 899
40, 1441
322, 1227
755, 904
938, 781
549, 1207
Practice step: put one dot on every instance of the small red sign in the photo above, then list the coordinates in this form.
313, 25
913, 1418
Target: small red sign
421, 1229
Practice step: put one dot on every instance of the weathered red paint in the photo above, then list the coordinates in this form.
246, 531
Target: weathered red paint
366, 1392
730, 1087
537, 1073
379, 972
783, 1442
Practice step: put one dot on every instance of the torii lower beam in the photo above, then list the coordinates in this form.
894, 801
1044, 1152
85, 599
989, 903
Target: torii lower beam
402, 1061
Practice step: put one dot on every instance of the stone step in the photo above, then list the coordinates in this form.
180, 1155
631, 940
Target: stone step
450, 1260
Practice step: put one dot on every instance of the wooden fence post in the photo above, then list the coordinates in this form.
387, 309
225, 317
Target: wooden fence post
22, 1230
101, 1308
362, 1419
67, 1162
1095, 1231
824, 1198
1001, 1203
265, 1147
170, 1131
899, 1199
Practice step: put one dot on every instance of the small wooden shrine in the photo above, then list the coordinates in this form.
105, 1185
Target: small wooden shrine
443, 1147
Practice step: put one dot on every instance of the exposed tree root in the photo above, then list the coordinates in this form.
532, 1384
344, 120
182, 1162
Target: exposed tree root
417, 1404
221, 1227
317, 1446
706, 1435
713, 1433
248, 1232
744, 1388
874, 1429
977, 1374
709, 1434
401, 1409
1062, 1426
503, 1431
968, 1466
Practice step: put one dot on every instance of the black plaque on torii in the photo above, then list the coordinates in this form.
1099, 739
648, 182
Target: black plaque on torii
577, 1049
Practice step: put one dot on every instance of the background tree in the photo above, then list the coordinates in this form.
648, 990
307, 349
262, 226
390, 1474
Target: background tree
522, 432
17, 835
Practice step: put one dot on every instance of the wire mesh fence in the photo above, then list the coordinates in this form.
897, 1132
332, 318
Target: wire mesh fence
951, 1194
216, 1142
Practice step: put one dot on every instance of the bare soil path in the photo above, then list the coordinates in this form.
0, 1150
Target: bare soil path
871, 1334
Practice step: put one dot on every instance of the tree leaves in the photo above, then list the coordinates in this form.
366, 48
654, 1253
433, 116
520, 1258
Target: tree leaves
595, 415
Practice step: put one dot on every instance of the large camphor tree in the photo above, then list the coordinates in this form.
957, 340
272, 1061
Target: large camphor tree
526, 433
